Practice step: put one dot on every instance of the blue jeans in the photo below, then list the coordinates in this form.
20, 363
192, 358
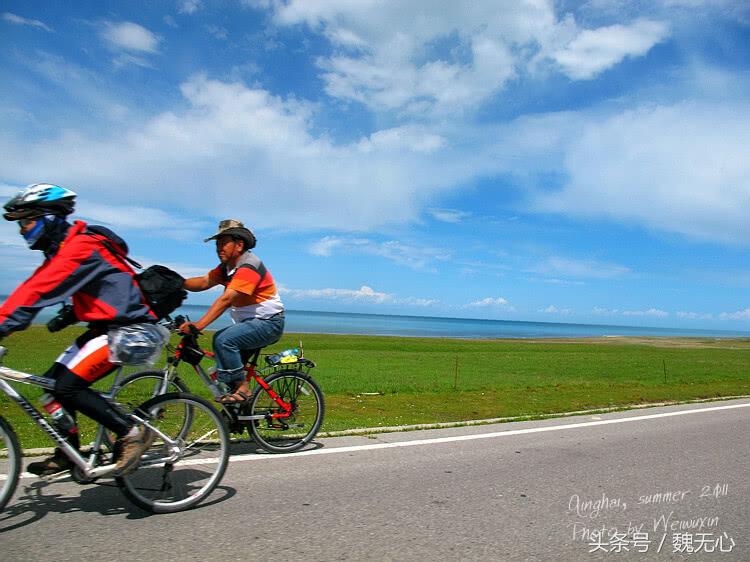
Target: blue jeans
229, 343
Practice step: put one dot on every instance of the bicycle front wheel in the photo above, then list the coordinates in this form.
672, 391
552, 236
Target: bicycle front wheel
183, 465
10, 462
142, 386
279, 431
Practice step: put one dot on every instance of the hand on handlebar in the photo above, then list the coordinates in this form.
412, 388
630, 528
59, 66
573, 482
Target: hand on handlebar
188, 328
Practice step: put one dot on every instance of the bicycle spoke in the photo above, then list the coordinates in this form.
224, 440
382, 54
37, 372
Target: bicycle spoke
290, 430
202, 452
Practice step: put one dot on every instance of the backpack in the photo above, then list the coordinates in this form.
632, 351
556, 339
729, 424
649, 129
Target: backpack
161, 286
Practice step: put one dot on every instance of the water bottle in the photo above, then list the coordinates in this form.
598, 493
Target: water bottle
63, 421
286, 356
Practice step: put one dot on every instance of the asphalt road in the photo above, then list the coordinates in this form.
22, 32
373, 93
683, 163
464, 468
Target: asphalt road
544, 490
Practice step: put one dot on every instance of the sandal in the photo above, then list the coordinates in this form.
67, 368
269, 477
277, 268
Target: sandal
238, 397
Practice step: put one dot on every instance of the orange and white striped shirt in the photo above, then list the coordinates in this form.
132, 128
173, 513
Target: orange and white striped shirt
250, 277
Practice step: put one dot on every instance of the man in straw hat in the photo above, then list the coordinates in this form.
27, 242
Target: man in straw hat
256, 308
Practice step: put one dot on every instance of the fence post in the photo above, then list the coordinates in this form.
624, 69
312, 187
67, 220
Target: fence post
455, 375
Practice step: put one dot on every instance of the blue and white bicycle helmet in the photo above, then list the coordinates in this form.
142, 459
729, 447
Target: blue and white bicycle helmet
38, 200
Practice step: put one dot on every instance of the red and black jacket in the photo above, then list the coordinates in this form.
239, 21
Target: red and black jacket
85, 268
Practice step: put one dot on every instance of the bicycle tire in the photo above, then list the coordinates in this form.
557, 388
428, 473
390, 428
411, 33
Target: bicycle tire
148, 392
10, 462
286, 435
141, 386
165, 484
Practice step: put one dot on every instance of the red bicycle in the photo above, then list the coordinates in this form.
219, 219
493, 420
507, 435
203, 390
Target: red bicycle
285, 409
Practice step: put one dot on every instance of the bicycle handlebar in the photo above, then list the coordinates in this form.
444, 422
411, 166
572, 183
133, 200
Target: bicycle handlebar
178, 321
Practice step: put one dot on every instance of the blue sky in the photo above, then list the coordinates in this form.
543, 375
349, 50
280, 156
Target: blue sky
550, 161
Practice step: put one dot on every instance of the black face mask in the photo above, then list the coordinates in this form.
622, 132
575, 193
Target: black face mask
53, 234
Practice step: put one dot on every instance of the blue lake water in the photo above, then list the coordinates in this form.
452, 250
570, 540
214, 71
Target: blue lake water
425, 326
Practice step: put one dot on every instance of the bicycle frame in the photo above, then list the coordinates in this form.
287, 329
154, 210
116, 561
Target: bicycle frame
89, 468
170, 372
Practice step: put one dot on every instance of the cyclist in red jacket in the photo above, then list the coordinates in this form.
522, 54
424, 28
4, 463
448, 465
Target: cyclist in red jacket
79, 264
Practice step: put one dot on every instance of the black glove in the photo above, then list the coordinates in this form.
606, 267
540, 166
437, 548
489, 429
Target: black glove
65, 317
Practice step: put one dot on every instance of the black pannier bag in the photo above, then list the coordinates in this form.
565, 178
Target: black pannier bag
161, 286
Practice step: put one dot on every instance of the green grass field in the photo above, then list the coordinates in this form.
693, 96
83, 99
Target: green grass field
385, 381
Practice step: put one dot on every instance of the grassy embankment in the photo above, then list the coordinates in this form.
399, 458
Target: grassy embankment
384, 381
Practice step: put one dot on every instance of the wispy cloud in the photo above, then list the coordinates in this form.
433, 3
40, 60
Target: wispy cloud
137, 218
364, 294
489, 302
414, 257
19, 20
587, 269
552, 309
694, 315
132, 42
452, 216
605, 311
217, 31
189, 6
18, 260
651, 312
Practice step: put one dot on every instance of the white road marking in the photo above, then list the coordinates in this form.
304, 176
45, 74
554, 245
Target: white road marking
438, 440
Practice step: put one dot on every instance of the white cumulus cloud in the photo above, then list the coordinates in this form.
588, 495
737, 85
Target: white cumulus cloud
230, 144
694, 315
737, 315
680, 168
593, 51
426, 57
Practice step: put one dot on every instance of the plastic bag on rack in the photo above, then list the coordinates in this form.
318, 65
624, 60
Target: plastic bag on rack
137, 344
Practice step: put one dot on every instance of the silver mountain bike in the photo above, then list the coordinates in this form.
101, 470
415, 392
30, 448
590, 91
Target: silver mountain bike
182, 467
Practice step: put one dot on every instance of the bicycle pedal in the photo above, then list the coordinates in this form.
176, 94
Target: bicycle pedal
54, 476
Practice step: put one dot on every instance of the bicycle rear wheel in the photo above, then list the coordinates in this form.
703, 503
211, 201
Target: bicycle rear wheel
10, 462
177, 476
276, 432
